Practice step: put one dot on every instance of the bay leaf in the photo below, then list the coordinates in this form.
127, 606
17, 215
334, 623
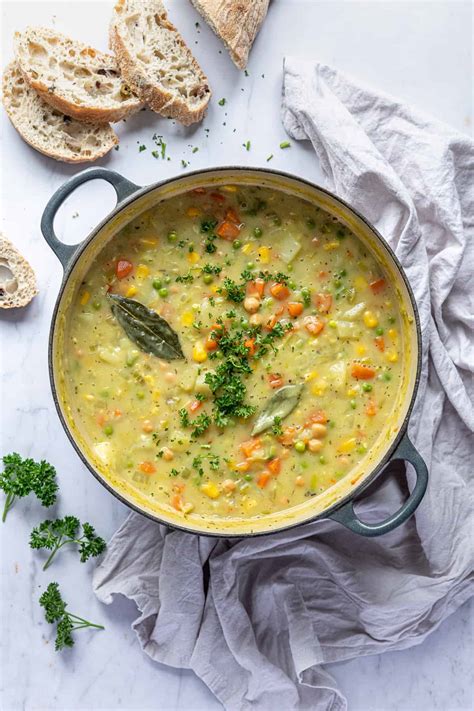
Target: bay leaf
279, 405
149, 331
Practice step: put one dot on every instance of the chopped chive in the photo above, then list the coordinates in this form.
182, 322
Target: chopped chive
184, 163
247, 145
155, 154
141, 148
285, 144
270, 157
195, 149
246, 73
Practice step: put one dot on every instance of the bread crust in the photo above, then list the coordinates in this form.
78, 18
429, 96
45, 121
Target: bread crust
24, 278
235, 22
102, 68
165, 102
27, 111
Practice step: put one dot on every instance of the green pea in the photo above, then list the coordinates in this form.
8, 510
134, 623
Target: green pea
105, 393
292, 284
322, 459
207, 279
140, 394
379, 331
96, 305
250, 265
257, 231
367, 387
108, 430
157, 284
300, 446
332, 324
289, 267
236, 244
172, 236
361, 449
391, 319
245, 323
248, 477
386, 376
163, 292
219, 354
353, 404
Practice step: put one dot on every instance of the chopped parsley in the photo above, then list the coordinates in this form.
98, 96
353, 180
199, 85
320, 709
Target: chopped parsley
221, 102
234, 292
185, 278
141, 148
277, 429
247, 145
211, 269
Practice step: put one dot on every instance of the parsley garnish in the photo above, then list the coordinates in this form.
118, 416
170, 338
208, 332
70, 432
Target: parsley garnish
21, 477
221, 102
55, 611
185, 278
235, 292
211, 269
141, 148
53, 535
277, 429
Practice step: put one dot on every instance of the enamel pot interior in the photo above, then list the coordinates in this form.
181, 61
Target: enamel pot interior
391, 430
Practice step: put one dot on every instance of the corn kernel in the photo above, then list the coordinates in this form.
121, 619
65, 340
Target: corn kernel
193, 257
250, 504
391, 356
142, 271
149, 379
329, 246
319, 388
156, 395
229, 188
247, 248
310, 376
193, 212
89, 397
351, 392
199, 352
360, 283
210, 489
187, 318
131, 291
361, 349
393, 334
85, 298
264, 254
370, 320
347, 446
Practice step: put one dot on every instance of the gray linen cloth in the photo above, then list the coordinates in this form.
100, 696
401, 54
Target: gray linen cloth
278, 608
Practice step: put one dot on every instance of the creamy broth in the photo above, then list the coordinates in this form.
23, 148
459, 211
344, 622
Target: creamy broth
283, 363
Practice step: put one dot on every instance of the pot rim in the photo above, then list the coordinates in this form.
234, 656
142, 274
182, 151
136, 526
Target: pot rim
369, 479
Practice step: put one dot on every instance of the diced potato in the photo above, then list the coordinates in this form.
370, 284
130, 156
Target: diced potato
360, 283
337, 373
264, 254
188, 379
290, 247
347, 329
104, 451
187, 318
131, 291
355, 312
201, 386
142, 271
347, 446
112, 356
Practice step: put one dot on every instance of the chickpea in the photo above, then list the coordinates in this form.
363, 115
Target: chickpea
299, 481
256, 320
147, 426
315, 445
228, 485
251, 304
170, 377
319, 430
168, 454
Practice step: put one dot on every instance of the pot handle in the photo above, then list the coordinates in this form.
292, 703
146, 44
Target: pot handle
347, 516
123, 189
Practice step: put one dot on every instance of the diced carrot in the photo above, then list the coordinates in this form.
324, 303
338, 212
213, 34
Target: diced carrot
242, 466
211, 344
256, 288
249, 446
323, 275
263, 479
117, 413
371, 409
362, 372
228, 230
218, 197
218, 329
147, 467
232, 216
288, 436
318, 417
380, 343
323, 303
295, 308
279, 291
275, 380
271, 323
177, 502
195, 405
100, 419
199, 191
377, 286
313, 325
249, 343
123, 268
274, 466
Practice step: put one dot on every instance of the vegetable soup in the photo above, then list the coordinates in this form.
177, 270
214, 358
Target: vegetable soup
232, 352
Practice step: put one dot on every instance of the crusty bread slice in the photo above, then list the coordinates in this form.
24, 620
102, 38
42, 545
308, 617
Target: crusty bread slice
155, 61
49, 131
17, 278
73, 78
235, 22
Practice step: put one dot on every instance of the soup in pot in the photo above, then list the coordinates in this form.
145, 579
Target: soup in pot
232, 352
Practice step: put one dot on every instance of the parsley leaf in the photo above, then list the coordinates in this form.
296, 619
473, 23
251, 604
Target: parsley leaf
55, 611
21, 477
53, 535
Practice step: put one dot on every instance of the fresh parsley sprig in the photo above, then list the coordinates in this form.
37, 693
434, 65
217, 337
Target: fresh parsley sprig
67, 623
53, 535
21, 477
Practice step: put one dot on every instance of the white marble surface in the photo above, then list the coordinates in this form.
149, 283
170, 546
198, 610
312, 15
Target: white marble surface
420, 51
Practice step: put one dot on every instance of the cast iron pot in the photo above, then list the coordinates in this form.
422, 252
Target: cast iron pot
337, 501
